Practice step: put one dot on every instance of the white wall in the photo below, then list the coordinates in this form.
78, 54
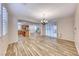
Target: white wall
42, 29
77, 28
12, 29
65, 28
3, 45
11, 35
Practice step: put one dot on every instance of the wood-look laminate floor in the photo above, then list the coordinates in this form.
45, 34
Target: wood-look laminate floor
41, 46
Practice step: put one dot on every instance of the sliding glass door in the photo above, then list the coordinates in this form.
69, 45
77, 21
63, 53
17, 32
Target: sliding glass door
51, 30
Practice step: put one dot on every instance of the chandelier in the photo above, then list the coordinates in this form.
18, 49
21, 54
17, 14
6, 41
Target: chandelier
44, 21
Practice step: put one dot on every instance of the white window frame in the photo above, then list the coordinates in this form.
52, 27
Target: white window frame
50, 30
5, 21
2, 21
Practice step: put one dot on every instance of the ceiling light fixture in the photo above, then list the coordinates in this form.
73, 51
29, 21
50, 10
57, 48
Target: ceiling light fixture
44, 21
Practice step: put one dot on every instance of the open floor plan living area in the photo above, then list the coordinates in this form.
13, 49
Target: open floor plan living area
39, 29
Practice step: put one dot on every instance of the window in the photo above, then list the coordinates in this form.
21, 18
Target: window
19, 25
5, 21
34, 28
51, 30
0, 19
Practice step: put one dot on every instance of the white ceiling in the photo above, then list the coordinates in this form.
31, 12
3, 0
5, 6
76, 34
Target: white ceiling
37, 11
